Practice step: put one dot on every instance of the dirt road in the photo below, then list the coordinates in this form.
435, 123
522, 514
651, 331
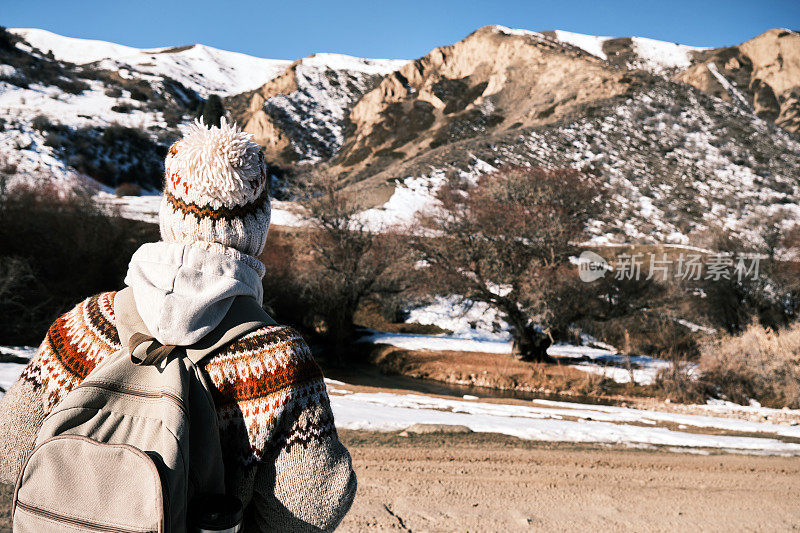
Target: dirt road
483, 482
486, 482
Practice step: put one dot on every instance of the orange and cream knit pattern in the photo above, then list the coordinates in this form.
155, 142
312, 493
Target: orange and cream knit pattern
262, 377
216, 190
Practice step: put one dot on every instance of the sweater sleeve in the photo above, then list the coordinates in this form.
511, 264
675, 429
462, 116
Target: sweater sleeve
73, 345
311, 483
283, 456
21, 416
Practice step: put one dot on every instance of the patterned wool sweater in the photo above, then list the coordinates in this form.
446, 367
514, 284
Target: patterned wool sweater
291, 472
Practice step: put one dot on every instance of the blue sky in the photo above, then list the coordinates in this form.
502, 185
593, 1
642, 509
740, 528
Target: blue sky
290, 29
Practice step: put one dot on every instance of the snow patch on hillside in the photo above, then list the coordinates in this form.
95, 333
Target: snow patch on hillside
661, 56
588, 43
328, 85
520, 33
736, 95
356, 64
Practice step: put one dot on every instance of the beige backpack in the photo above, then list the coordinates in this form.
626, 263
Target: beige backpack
130, 447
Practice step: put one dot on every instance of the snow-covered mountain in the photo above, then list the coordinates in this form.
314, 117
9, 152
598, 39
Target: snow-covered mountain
300, 115
198, 67
69, 105
684, 136
678, 159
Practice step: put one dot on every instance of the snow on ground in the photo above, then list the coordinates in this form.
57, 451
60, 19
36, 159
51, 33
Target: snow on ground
410, 341
539, 420
9, 372
598, 361
610, 364
478, 328
476, 321
145, 208
755, 408
558, 421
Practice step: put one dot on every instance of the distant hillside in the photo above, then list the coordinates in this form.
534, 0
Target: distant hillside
685, 138
198, 67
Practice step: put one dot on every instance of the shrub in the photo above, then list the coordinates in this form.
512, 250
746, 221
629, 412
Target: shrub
128, 189
122, 108
112, 156
681, 383
759, 364
138, 94
57, 249
341, 261
71, 86
172, 116
41, 123
7, 39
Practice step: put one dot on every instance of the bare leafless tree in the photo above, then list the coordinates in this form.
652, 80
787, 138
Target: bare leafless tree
341, 259
506, 241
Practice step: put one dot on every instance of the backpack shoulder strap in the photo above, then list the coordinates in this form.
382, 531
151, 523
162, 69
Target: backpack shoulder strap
244, 316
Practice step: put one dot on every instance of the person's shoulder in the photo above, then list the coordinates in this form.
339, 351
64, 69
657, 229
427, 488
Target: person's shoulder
269, 340
267, 360
92, 316
76, 342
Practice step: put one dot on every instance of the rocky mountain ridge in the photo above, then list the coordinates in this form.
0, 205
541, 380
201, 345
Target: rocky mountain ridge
685, 137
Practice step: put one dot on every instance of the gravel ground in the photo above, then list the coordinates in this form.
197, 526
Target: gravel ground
486, 482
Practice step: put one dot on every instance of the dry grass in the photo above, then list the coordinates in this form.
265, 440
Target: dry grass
497, 371
680, 384
760, 364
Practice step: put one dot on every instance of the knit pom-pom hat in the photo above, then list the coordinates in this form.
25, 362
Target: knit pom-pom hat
215, 190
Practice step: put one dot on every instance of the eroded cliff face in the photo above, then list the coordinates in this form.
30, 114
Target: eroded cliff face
491, 81
368, 116
764, 71
300, 115
247, 109
673, 130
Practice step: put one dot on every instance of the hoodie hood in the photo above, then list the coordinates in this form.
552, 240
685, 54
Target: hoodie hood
183, 291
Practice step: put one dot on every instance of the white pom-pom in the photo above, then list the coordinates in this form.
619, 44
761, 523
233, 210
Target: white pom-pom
212, 165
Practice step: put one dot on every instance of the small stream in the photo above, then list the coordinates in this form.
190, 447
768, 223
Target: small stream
369, 376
